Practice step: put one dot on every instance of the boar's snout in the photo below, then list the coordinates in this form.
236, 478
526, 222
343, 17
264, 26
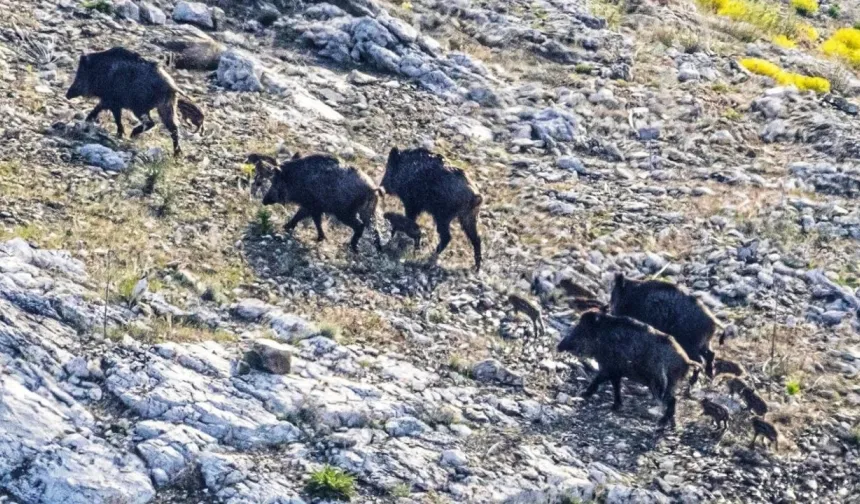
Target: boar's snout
269, 198
72, 93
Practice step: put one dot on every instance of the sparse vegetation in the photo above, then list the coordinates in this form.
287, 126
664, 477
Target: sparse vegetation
844, 44
834, 11
764, 16
784, 42
665, 35
732, 115
153, 176
460, 365
611, 12
583, 68
263, 223
331, 483
400, 490
330, 331
792, 386
805, 7
691, 42
103, 6
801, 82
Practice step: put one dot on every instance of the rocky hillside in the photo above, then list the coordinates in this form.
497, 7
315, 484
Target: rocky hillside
162, 340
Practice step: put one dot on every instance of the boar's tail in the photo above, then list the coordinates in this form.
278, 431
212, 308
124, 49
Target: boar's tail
191, 113
581, 303
477, 200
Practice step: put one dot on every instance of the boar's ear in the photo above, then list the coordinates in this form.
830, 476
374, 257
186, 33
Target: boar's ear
297, 155
393, 155
619, 280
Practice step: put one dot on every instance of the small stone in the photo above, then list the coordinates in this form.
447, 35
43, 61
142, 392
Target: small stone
195, 13
269, 356
126, 9
150, 14
453, 458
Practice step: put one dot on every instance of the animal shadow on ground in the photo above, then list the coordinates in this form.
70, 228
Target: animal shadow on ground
592, 423
299, 256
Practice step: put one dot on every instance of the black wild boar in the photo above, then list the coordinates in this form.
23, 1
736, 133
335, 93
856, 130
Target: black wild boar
532, 310
762, 427
624, 347
425, 183
405, 225
718, 413
737, 386
318, 184
122, 79
665, 307
575, 290
754, 401
722, 366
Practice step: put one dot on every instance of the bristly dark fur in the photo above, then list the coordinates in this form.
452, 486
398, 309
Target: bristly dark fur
624, 347
717, 412
122, 79
754, 401
404, 225
668, 309
762, 427
318, 184
425, 183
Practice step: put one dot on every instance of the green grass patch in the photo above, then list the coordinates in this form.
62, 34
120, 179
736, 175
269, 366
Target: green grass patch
331, 483
103, 6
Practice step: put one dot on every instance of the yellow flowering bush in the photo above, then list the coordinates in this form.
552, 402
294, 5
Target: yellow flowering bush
801, 82
845, 44
805, 7
783, 41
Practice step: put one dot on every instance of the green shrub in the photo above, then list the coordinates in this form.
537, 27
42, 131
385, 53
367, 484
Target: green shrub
792, 386
331, 483
103, 6
263, 223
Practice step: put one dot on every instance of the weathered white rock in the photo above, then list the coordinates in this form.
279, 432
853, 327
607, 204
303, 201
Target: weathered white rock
196, 13
103, 157
151, 14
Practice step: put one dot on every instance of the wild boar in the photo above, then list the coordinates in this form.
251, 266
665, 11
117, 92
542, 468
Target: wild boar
754, 401
424, 183
737, 386
532, 311
624, 347
665, 307
318, 184
122, 79
405, 225
718, 413
722, 366
762, 427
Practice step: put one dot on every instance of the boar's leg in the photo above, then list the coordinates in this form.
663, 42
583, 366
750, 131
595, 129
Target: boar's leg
616, 389
117, 117
669, 401
598, 380
469, 223
146, 124
167, 113
412, 214
92, 116
317, 216
357, 229
301, 215
708, 354
443, 228
367, 213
